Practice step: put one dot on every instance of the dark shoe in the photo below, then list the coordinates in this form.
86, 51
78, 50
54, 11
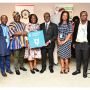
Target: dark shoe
17, 72
56, 64
66, 70
51, 70
4, 74
10, 72
32, 71
62, 72
84, 75
76, 72
42, 70
36, 69
22, 68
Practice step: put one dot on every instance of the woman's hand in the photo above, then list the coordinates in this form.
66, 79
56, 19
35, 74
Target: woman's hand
63, 42
59, 43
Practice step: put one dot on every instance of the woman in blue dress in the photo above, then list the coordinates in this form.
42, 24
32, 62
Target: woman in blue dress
4, 47
64, 41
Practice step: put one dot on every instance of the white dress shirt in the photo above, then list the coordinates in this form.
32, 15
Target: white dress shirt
82, 33
47, 24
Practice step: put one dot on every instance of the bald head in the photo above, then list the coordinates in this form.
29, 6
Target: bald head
4, 19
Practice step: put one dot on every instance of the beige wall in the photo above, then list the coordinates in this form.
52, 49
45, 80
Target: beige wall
79, 7
7, 9
40, 8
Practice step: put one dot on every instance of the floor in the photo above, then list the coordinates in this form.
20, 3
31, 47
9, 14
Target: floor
47, 79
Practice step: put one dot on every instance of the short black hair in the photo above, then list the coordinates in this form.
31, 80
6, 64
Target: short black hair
74, 18
47, 13
83, 12
3, 16
30, 17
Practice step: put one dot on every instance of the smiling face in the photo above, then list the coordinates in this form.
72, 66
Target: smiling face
33, 19
47, 17
64, 16
4, 19
17, 18
83, 16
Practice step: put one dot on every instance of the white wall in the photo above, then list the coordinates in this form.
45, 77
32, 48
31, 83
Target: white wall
40, 9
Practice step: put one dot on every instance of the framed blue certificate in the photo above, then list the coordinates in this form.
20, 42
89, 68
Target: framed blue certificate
36, 39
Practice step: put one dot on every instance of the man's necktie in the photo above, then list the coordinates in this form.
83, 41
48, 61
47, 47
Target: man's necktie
46, 26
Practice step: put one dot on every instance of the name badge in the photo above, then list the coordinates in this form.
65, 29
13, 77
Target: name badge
61, 35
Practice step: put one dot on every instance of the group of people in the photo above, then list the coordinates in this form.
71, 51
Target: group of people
14, 39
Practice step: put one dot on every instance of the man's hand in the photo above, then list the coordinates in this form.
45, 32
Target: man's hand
73, 45
23, 33
48, 42
27, 44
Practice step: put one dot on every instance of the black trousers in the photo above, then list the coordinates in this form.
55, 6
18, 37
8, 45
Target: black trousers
44, 52
82, 55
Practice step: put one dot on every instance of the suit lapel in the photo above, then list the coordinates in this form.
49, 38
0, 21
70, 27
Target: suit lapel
87, 26
49, 27
44, 29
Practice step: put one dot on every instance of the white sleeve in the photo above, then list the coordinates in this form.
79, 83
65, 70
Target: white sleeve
26, 38
26, 30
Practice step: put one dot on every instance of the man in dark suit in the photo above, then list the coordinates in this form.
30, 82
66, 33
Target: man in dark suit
81, 39
50, 31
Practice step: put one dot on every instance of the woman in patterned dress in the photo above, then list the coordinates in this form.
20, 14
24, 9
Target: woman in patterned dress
64, 41
32, 54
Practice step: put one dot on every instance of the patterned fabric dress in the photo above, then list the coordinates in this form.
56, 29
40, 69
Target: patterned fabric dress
31, 54
64, 51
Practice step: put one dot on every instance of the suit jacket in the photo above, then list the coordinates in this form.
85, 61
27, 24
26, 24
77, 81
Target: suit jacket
50, 34
76, 30
3, 45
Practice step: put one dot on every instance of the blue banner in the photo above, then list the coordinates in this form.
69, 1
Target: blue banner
36, 39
